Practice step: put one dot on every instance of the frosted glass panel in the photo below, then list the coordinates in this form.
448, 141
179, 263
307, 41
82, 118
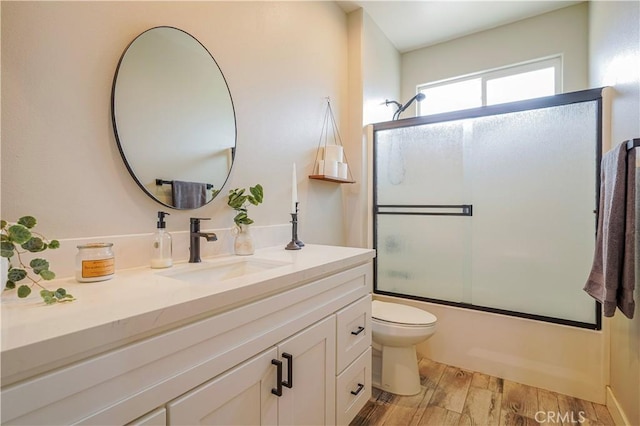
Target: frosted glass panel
420, 165
423, 256
533, 177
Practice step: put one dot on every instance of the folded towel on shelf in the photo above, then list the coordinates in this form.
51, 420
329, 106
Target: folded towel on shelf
189, 195
612, 277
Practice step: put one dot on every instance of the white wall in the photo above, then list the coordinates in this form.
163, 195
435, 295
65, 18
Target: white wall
563, 31
60, 162
614, 60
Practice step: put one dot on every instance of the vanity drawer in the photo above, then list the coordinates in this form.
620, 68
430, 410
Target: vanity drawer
353, 332
353, 389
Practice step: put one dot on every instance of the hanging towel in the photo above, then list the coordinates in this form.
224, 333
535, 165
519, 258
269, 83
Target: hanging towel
189, 195
612, 277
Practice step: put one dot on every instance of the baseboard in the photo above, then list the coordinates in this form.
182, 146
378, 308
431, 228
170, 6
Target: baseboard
615, 409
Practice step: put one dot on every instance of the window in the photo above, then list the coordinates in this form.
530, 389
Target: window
509, 84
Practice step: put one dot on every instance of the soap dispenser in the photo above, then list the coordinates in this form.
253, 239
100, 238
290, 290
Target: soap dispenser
161, 256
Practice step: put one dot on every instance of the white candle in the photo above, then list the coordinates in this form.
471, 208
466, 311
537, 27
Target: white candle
294, 190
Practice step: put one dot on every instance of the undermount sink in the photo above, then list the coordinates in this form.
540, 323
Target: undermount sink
220, 270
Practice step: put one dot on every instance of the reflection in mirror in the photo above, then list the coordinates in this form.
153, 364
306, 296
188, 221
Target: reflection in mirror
173, 118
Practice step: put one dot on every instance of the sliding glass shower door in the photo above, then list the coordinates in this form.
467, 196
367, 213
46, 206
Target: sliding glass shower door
493, 212
422, 237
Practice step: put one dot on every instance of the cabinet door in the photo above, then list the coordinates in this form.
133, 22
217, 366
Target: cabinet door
157, 417
241, 396
311, 398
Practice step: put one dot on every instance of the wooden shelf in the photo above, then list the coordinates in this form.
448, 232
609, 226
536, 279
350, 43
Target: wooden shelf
331, 179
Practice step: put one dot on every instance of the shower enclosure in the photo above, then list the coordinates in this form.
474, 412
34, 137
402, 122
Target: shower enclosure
492, 208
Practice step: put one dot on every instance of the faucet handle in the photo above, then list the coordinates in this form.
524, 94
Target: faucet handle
198, 219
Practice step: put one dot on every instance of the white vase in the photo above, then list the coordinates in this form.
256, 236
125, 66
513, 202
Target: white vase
4, 268
243, 244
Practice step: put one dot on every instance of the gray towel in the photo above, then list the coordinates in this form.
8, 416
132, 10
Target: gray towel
612, 277
189, 195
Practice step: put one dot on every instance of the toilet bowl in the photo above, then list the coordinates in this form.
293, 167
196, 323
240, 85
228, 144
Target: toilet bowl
396, 329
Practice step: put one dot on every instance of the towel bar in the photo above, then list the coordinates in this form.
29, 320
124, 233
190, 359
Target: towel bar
160, 182
632, 143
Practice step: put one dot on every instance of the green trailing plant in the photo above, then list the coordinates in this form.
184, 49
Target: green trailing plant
18, 239
238, 199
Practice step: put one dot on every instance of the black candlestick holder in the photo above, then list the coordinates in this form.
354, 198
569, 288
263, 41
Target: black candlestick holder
295, 243
295, 230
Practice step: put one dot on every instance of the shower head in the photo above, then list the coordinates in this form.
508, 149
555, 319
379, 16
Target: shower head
419, 98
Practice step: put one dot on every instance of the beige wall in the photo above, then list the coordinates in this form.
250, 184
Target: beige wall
381, 74
374, 75
563, 31
353, 194
60, 162
614, 52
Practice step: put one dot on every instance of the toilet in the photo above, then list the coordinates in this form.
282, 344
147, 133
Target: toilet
396, 329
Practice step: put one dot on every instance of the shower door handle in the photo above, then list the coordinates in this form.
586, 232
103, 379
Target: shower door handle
426, 209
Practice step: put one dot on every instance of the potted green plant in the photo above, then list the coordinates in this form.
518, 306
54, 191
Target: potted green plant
17, 239
238, 199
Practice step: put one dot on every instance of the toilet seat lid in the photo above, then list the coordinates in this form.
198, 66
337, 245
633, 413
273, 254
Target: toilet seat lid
401, 314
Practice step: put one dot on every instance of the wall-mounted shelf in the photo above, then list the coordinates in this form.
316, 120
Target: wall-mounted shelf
331, 166
331, 179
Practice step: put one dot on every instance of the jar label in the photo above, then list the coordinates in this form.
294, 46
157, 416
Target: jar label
98, 268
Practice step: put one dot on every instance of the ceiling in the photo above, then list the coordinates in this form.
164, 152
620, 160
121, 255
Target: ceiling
410, 25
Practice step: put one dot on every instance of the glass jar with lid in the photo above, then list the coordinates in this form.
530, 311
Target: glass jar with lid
95, 262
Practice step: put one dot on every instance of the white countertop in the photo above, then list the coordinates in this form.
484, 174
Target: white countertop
140, 302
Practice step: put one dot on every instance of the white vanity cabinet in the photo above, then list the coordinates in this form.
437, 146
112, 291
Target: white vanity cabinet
335, 351
221, 368
250, 394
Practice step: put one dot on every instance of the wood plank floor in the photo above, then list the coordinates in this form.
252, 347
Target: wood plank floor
453, 396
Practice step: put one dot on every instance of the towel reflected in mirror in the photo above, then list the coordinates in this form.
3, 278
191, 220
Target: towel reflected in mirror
189, 195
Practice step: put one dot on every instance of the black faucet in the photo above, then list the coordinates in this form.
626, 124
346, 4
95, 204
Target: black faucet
194, 238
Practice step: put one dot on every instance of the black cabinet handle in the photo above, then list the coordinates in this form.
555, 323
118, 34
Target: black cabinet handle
358, 331
357, 391
277, 390
289, 358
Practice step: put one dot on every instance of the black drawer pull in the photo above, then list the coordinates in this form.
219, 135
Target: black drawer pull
358, 331
277, 391
357, 391
289, 358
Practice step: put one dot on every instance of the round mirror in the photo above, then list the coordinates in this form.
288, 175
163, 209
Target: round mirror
173, 118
